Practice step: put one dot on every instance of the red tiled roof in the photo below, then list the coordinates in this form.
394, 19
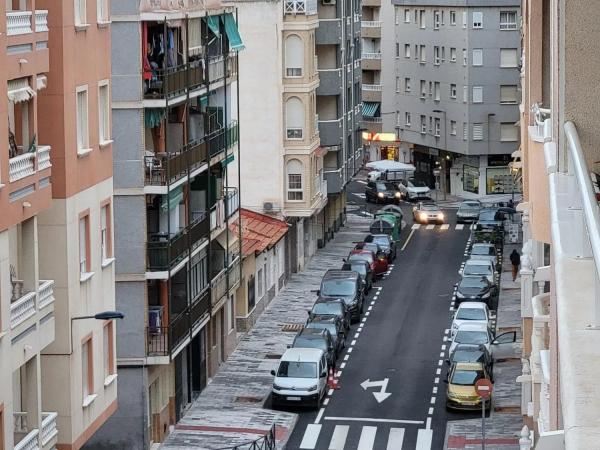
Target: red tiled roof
259, 231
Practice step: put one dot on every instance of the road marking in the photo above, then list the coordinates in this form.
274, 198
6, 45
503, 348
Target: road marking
424, 438
342, 365
440, 362
428, 426
349, 351
435, 389
445, 226
432, 401
437, 380
353, 342
442, 354
416, 226
460, 226
338, 439
367, 313
359, 329
373, 302
407, 240
330, 392
447, 330
382, 394
438, 371
346, 357
368, 419
338, 374
395, 439
311, 435
430, 227
356, 335
444, 347
320, 415
367, 438
364, 319
445, 338
370, 308
430, 412
326, 402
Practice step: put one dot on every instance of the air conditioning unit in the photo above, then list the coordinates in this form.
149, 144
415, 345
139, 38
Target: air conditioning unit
328, 2
269, 207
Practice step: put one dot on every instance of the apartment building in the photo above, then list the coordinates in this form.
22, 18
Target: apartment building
27, 303
452, 96
560, 300
175, 131
338, 101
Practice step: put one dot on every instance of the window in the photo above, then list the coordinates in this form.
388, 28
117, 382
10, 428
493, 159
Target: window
103, 16
87, 368
452, 91
105, 234
436, 55
430, 124
509, 132
453, 18
231, 313
430, 89
443, 54
83, 136
453, 127
465, 94
396, 15
477, 56
437, 127
508, 94
109, 350
407, 85
423, 54
397, 84
477, 19
423, 89
452, 54
437, 91
508, 57
398, 123
84, 244
80, 12
103, 111
407, 16
407, 50
465, 57
198, 274
407, 119
465, 131
294, 56
260, 283
423, 124
416, 51
508, 20
477, 131
477, 94
294, 109
397, 50
437, 18
294, 173
464, 14
422, 18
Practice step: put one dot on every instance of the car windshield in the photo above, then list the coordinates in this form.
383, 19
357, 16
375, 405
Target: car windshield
381, 186
371, 246
297, 369
487, 215
360, 268
466, 377
478, 269
417, 183
429, 207
483, 250
471, 337
323, 308
467, 356
381, 240
324, 326
468, 207
470, 314
361, 257
303, 342
471, 282
331, 288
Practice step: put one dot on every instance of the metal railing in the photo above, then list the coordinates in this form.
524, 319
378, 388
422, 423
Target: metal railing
371, 87
371, 23
266, 442
217, 215
164, 168
218, 286
372, 119
232, 201
300, 7
371, 55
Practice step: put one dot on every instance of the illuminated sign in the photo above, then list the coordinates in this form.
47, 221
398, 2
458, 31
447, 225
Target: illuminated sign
379, 137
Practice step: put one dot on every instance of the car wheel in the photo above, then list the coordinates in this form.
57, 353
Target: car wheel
318, 401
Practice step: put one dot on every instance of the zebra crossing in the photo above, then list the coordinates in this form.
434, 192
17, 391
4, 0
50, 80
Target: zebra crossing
365, 437
443, 227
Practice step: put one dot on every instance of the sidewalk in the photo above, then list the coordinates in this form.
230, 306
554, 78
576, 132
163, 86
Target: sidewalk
504, 425
229, 411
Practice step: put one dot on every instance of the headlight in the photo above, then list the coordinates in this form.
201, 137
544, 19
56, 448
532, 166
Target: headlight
487, 295
397, 194
423, 216
277, 387
452, 395
440, 216
459, 295
380, 194
312, 388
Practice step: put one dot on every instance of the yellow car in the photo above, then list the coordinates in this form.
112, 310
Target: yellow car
461, 386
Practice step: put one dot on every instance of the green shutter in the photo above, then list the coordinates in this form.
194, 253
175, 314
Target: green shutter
233, 34
175, 196
213, 24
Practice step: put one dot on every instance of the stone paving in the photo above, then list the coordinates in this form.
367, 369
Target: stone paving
229, 411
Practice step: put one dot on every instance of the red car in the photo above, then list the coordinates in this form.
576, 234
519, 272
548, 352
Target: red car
379, 265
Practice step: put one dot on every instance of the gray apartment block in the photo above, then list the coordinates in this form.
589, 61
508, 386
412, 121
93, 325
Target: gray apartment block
453, 98
338, 95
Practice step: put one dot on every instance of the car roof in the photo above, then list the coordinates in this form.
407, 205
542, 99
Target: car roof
340, 274
472, 305
478, 262
471, 348
302, 354
312, 333
329, 300
356, 261
468, 366
471, 202
325, 318
470, 326
378, 235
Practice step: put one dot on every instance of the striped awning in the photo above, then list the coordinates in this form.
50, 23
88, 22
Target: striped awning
19, 90
369, 109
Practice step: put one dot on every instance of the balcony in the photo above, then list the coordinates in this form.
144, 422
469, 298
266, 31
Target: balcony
330, 82
217, 216
174, 81
24, 304
371, 29
26, 32
49, 429
224, 280
329, 32
162, 169
335, 180
305, 7
232, 201
31, 438
24, 164
330, 132
371, 92
371, 61
222, 139
221, 65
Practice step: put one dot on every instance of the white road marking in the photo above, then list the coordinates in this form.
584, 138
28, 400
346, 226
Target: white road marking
379, 288
342, 365
353, 342
311, 435
367, 438
359, 329
364, 319
338, 374
432, 401
370, 308
445, 226
349, 351
330, 392
368, 419
356, 335
395, 439
367, 313
451, 308
442, 354
338, 439
460, 226
430, 227
440, 362
444, 347
445, 338
435, 389
320, 415
373, 302
438, 371
326, 402
424, 438
447, 330
428, 425
346, 357
416, 226
430, 413
408, 239
437, 380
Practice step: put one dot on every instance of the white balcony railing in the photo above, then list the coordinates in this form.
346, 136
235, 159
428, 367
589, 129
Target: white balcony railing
46, 292
372, 119
371, 55
371, 24
21, 166
307, 7
44, 157
41, 20
29, 442
371, 87
22, 309
18, 22
49, 430
217, 215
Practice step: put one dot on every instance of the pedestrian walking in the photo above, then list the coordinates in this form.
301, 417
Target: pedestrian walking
515, 260
511, 203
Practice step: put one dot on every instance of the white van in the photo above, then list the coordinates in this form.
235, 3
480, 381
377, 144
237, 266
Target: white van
301, 378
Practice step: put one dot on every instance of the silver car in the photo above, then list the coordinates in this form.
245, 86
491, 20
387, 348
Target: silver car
468, 211
485, 252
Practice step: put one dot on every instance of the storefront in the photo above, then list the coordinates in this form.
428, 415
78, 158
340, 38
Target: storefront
476, 176
381, 146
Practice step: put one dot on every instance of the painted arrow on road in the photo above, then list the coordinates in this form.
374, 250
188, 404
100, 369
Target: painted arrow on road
381, 395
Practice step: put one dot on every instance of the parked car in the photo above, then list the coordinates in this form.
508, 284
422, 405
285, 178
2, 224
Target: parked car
427, 212
476, 288
315, 338
364, 270
373, 246
344, 285
461, 393
330, 308
300, 378
500, 347
491, 218
479, 268
412, 190
382, 192
470, 312
386, 243
485, 251
336, 329
468, 211
472, 353
378, 265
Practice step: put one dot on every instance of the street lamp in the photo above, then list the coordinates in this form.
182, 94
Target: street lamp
104, 315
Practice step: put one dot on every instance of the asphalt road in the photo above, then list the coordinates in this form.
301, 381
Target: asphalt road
398, 348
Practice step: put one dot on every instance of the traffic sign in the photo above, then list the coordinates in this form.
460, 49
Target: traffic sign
484, 388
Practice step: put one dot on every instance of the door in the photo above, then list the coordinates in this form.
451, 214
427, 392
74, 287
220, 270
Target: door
178, 387
223, 336
503, 346
198, 357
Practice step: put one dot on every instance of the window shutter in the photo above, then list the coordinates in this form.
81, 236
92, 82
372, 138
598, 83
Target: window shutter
477, 19
477, 94
508, 94
477, 57
465, 131
294, 55
295, 113
508, 57
465, 94
509, 132
477, 131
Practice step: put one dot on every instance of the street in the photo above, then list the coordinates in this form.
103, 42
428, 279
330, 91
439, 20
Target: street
392, 391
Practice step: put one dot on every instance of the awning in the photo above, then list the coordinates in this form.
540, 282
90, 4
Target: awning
19, 90
517, 154
41, 82
233, 34
213, 24
369, 109
153, 117
230, 158
175, 197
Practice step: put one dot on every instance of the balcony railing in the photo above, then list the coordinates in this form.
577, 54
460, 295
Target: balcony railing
234, 272
232, 201
18, 22
218, 286
41, 20
217, 215
22, 309
372, 119
371, 87
371, 24
49, 430
46, 292
23, 165
43, 157
300, 6
164, 168
29, 442
371, 55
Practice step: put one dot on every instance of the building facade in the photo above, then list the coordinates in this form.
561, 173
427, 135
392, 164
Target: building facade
177, 264
560, 298
452, 96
